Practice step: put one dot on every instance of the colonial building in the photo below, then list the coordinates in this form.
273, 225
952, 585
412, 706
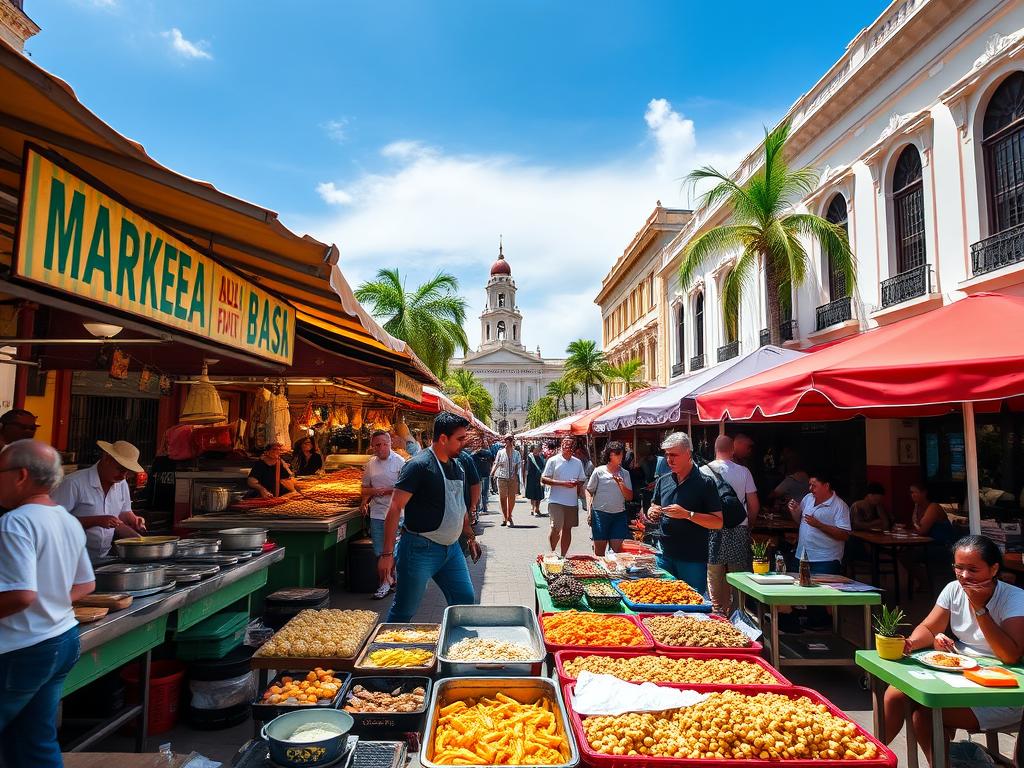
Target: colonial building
15, 25
630, 297
515, 376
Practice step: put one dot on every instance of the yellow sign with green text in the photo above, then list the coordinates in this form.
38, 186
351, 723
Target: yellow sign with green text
75, 238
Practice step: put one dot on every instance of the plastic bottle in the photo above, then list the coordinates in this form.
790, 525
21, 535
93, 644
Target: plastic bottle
780, 563
805, 570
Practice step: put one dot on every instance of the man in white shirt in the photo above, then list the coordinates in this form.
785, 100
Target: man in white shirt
729, 548
566, 476
379, 477
43, 569
825, 526
101, 499
506, 470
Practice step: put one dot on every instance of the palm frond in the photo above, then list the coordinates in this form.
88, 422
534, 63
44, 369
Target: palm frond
705, 247
833, 239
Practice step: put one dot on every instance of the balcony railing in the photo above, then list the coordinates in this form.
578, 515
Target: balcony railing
833, 313
787, 332
678, 369
696, 362
728, 351
907, 285
998, 251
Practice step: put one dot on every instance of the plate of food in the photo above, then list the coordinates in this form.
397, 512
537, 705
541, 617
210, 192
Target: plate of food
946, 662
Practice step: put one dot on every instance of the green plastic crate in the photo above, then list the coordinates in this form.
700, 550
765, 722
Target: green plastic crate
212, 638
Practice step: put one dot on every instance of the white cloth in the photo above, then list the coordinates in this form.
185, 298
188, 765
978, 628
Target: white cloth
42, 550
82, 495
381, 474
819, 546
596, 694
606, 493
453, 522
280, 421
1006, 602
734, 474
560, 468
505, 468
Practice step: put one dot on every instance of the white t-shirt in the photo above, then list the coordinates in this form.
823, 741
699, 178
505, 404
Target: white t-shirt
82, 495
42, 549
506, 468
381, 474
606, 493
821, 547
1007, 601
736, 475
571, 469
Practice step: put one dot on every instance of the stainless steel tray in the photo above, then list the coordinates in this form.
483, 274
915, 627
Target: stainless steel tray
381, 628
364, 667
522, 689
513, 623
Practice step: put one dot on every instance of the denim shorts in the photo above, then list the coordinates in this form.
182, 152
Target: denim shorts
609, 526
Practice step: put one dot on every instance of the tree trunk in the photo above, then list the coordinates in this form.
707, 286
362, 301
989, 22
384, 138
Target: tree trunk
572, 399
586, 394
772, 279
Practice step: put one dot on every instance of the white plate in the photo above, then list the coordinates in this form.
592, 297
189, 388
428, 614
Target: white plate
965, 661
771, 578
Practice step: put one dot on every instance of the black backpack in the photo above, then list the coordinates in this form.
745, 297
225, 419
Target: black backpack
733, 511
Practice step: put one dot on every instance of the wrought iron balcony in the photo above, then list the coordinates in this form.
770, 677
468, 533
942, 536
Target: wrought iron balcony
678, 369
833, 313
907, 285
696, 362
998, 251
728, 351
787, 332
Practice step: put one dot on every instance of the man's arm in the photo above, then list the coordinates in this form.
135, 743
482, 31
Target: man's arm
15, 601
386, 563
474, 498
753, 507
839, 532
78, 591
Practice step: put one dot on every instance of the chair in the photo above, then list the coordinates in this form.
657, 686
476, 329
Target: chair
992, 745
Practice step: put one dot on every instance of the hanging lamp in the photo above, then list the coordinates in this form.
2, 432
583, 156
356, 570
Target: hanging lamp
202, 406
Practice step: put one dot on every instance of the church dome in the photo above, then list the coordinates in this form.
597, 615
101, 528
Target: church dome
501, 267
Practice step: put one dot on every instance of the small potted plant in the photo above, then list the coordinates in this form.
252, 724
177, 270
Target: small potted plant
888, 641
760, 552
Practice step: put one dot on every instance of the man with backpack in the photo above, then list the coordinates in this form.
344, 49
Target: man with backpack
729, 548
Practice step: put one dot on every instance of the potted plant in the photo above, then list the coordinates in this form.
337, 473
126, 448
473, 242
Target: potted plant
888, 642
760, 552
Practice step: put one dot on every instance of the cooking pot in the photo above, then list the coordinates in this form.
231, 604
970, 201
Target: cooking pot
129, 578
308, 754
193, 547
214, 498
234, 539
143, 549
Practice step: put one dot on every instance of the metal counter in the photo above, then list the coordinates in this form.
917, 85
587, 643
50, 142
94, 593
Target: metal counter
219, 520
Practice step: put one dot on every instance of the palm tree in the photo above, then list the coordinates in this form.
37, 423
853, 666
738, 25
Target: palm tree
765, 228
542, 411
428, 319
585, 365
467, 392
559, 390
628, 373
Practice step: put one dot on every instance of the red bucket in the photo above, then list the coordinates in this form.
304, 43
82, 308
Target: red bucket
165, 679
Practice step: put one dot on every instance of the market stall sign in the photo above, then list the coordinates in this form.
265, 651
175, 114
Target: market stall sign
408, 387
74, 237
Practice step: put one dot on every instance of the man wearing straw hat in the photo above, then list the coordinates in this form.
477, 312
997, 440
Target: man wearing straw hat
100, 498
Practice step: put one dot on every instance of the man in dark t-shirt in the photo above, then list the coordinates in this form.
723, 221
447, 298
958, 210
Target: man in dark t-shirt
263, 477
484, 460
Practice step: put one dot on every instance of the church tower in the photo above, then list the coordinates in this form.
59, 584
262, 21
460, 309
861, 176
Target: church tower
501, 324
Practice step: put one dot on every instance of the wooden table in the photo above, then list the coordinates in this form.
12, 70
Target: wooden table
774, 525
879, 540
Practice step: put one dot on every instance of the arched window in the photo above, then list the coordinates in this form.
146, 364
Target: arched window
501, 330
681, 334
502, 394
837, 214
515, 332
501, 299
908, 210
698, 324
529, 396
488, 331
1004, 154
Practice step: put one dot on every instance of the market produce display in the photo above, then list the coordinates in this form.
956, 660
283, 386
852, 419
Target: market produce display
686, 631
327, 633
591, 629
732, 725
585, 569
566, 591
482, 649
660, 592
665, 669
318, 687
400, 657
361, 700
600, 589
344, 485
408, 635
300, 506
499, 731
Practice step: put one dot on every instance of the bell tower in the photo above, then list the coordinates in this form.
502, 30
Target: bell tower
501, 324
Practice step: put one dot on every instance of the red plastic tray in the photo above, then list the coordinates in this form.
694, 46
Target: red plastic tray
647, 646
754, 648
588, 756
563, 656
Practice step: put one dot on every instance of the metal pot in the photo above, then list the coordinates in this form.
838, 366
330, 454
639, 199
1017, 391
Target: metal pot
213, 498
129, 578
193, 547
242, 538
309, 753
144, 549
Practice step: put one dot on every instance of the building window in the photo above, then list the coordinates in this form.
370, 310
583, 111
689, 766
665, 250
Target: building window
836, 214
650, 292
502, 394
501, 330
515, 331
698, 325
1003, 132
501, 299
488, 331
908, 207
529, 396
681, 334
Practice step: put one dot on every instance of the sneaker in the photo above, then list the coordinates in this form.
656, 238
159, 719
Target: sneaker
504, 523
382, 592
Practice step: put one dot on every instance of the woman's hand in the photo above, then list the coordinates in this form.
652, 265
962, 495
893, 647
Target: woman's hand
908, 647
654, 513
943, 643
978, 594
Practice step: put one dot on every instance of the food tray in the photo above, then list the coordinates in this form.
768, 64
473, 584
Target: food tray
647, 646
563, 656
382, 628
601, 602
754, 647
658, 607
363, 666
267, 712
594, 759
344, 663
522, 689
512, 623
373, 723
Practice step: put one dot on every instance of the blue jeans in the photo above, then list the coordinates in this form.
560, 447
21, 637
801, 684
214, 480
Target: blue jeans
418, 561
824, 567
693, 572
32, 680
485, 493
377, 536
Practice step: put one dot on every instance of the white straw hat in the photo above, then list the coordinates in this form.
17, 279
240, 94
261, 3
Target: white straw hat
124, 453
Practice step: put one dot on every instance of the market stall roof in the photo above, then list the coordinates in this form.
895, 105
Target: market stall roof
969, 351
580, 423
435, 401
667, 406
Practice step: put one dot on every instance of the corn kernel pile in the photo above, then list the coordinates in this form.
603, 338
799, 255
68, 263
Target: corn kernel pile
662, 669
731, 725
327, 633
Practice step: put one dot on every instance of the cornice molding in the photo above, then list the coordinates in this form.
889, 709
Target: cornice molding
916, 127
999, 49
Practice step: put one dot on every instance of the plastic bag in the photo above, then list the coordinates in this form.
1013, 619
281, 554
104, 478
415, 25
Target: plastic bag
220, 694
969, 754
257, 633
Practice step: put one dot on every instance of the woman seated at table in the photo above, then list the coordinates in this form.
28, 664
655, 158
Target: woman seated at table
270, 476
929, 518
306, 459
986, 616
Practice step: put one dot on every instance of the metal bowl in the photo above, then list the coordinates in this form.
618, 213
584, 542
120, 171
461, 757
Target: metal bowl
311, 753
242, 538
129, 578
191, 547
144, 549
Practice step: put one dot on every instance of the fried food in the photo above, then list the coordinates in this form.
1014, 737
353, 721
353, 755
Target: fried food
660, 592
663, 669
690, 632
408, 635
362, 700
317, 687
327, 633
591, 629
400, 657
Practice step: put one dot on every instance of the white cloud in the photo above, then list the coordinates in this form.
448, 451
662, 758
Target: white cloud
186, 48
563, 226
337, 130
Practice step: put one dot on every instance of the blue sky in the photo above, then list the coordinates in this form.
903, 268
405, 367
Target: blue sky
413, 133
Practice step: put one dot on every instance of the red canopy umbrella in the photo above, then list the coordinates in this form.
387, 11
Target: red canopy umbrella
967, 352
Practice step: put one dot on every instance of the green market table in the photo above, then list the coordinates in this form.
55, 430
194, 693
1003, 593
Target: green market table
934, 693
771, 596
